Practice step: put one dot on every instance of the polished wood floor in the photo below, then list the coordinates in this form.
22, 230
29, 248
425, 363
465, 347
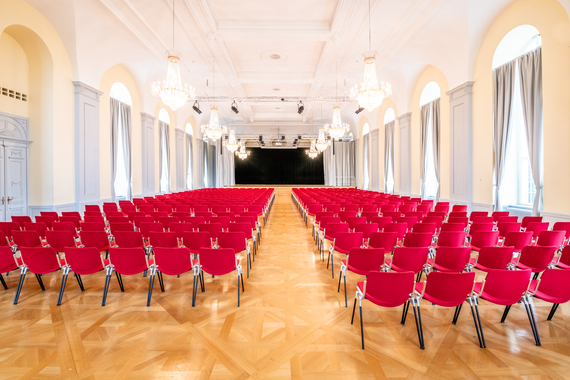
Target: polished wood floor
292, 323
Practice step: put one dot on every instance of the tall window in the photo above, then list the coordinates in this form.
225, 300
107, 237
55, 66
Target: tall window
366, 157
120, 129
430, 93
517, 186
189, 157
164, 118
389, 117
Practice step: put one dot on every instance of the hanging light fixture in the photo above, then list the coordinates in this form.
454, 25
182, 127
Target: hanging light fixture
241, 153
232, 143
322, 143
171, 91
214, 130
312, 152
370, 94
337, 129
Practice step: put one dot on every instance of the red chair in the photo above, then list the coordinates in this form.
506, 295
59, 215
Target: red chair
490, 258
459, 208
163, 240
229, 215
451, 239
551, 238
172, 262
353, 208
517, 240
499, 214
409, 259
95, 239
218, 262
395, 215
196, 240
323, 223
451, 290
464, 221
475, 214
213, 228
400, 228
92, 226
48, 220
483, 219
360, 261
452, 227
252, 221
65, 226
353, 221
125, 261
457, 214
563, 226
343, 242
508, 219
554, 287
389, 289
59, 240
505, 228
508, 287
71, 219
7, 262
417, 239
329, 233
218, 209
21, 220
8, 227
166, 221
92, 219
367, 229
93, 208
484, 239
536, 258
247, 230
235, 240
381, 221
146, 228
195, 220
318, 216
425, 228
39, 261
344, 215
128, 239
147, 209
386, 240
28, 239
223, 220
371, 214
452, 259
530, 219
39, 227
179, 228
80, 261
75, 214
50, 213
438, 220
409, 220
158, 214
118, 220
476, 227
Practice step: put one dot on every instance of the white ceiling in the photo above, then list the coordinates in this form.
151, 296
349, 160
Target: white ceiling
312, 37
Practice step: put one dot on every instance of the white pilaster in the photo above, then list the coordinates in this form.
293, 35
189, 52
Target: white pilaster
147, 126
405, 154
375, 161
180, 175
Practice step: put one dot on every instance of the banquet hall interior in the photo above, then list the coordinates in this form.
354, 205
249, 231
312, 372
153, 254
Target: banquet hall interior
271, 189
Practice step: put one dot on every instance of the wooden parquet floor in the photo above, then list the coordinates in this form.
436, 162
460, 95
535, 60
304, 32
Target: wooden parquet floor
292, 323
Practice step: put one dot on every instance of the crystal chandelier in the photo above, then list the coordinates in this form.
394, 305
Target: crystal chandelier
337, 129
321, 144
312, 152
370, 94
241, 153
214, 130
232, 143
171, 91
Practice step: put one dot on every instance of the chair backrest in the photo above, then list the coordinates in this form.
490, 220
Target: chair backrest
40, 260
458, 214
163, 239
223, 220
92, 226
328, 219
65, 226
424, 208
484, 238
206, 215
388, 208
409, 220
499, 214
237, 209
345, 241
451, 238
94, 219
410, 258
334, 208
166, 220
94, 239
8, 227
364, 260
418, 239
385, 240
179, 228
196, 240
244, 227
483, 219
555, 283
353, 221
48, 220
116, 227
146, 228
395, 215
213, 228
7, 263
508, 219
232, 216
370, 208
21, 220
129, 239
332, 229
219, 208
389, 289
59, 240
400, 228
322, 214
54, 214
71, 219
459, 220
252, 220
438, 220
562, 226
158, 214
118, 219
217, 261
173, 261
449, 289
235, 240
425, 227
475, 214
351, 208
530, 219
313, 208
39, 227
506, 227
128, 261
366, 229
536, 228
380, 220
452, 227
344, 215
453, 259
370, 214
164, 208
460, 208
94, 208
475, 227
147, 209
495, 257
507, 286
537, 257
72, 213
110, 206
84, 261
26, 238
551, 238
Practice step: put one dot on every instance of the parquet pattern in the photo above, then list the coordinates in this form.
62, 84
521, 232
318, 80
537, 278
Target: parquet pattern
292, 324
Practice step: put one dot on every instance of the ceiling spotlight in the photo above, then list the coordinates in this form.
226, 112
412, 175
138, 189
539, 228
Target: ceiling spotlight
359, 110
196, 107
300, 107
234, 107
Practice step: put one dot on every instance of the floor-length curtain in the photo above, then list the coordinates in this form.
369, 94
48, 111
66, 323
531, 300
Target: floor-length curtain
189, 162
365, 162
225, 169
115, 130
504, 82
340, 167
530, 74
424, 132
126, 140
389, 143
204, 164
164, 157
212, 164
435, 127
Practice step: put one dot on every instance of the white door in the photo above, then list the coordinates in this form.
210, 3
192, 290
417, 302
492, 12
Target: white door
15, 179
2, 187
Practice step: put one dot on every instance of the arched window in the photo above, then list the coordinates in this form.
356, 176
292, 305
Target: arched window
189, 129
365, 129
431, 92
164, 145
366, 157
517, 187
389, 116
121, 103
429, 101
164, 116
189, 157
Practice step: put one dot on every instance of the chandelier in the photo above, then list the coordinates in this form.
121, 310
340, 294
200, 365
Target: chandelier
171, 91
313, 151
337, 129
232, 143
241, 153
321, 143
214, 130
370, 94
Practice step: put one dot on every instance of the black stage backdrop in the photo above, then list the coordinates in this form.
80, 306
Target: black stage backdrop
279, 167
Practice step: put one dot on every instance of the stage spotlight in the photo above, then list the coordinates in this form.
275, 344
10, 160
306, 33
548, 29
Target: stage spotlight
196, 107
359, 110
300, 107
234, 107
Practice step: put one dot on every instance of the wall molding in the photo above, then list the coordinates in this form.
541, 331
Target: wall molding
482, 207
553, 217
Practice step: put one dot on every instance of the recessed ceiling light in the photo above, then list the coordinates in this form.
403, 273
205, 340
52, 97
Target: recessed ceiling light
275, 56
276, 89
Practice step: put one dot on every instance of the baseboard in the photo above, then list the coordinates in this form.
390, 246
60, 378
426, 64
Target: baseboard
553, 217
482, 207
36, 210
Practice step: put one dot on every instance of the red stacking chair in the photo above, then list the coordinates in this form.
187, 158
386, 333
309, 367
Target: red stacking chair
183, 209
343, 242
159, 214
417, 239
39, 227
367, 229
195, 220
400, 228
252, 221
438, 220
80, 261
386, 240
235, 240
360, 261
530, 219
536, 258
321, 230
499, 214
93, 208
406, 208
412, 259
125, 261
505, 228
536, 228
370, 208
415, 214
166, 221
48, 220
452, 227
508, 287
388, 208
483, 219
508, 219
563, 226
439, 214
59, 240
517, 240
179, 228
223, 220
128, 239
28, 239
344, 215
424, 208
8, 227
371, 214
451, 239
218, 262
7, 261
476, 227
247, 230
170, 261
218, 209
551, 238
213, 228
460, 208
490, 258
115, 214
353, 221
463, 220
452, 259
329, 233
380, 220
196, 240
229, 215
92, 219
65, 226
484, 239
395, 215
39, 261
237, 209
146, 228
75, 214
353, 208
318, 216
163, 240
442, 208
451, 290
92, 226
147, 209
118, 219
50, 213
475, 214
110, 206
71, 219
180, 215
389, 289
425, 227
119, 227
554, 287
164, 208
21, 220
335, 209
457, 214
94, 239
200, 208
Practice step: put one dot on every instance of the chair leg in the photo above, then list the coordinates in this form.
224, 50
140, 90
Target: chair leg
419, 276
530, 313
475, 318
79, 281
150, 286
339, 273
345, 300
405, 313
248, 264
160, 280
106, 287
23, 272
120, 280
3, 282
505, 313
242, 286
201, 276
353, 310
476, 301
552, 311
418, 318
39, 278
144, 273
361, 325
238, 289
456, 315
62, 286
332, 263
194, 288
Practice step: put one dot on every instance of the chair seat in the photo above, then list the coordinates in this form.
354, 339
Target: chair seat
218, 273
360, 286
543, 296
443, 269
562, 265
355, 270
488, 297
533, 270
182, 270
342, 250
420, 287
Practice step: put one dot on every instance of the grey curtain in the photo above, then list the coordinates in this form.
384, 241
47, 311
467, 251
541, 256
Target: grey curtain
435, 125
164, 155
365, 162
189, 162
126, 131
389, 143
211, 164
504, 82
530, 73
340, 166
204, 164
115, 130
329, 167
424, 131
225, 169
